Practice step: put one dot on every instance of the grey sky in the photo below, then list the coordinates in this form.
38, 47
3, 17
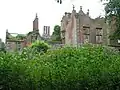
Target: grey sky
17, 15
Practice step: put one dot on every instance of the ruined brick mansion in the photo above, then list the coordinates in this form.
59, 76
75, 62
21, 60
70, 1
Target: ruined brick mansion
79, 28
18, 42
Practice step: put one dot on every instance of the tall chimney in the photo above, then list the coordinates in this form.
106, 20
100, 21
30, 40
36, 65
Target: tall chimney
35, 23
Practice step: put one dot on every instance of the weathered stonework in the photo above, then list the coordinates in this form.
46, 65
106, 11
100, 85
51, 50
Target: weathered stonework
76, 28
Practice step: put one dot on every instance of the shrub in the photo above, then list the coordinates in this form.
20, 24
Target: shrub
69, 68
40, 46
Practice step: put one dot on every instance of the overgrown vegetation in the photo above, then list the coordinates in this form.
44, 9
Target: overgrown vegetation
86, 68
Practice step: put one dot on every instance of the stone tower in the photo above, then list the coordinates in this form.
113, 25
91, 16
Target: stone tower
35, 34
35, 23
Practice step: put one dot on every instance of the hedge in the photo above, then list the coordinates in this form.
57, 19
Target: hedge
69, 68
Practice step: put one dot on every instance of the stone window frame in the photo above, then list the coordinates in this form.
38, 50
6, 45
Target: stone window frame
8, 46
86, 34
19, 45
99, 39
99, 31
99, 35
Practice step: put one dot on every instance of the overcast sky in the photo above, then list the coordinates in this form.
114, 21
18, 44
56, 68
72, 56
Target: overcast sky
17, 15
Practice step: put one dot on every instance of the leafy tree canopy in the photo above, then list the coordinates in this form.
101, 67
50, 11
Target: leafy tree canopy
56, 34
112, 8
40, 46
59, 1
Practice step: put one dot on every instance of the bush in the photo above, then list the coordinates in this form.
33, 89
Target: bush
86, 68
40, 46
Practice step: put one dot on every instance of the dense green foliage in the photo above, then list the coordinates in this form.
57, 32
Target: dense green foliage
86, 68
112, 8
40, 46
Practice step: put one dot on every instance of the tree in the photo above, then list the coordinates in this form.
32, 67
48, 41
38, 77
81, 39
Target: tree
2, 47
56, 36
59, 1
40, 46
112, 9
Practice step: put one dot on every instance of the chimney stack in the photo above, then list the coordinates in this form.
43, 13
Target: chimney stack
35, 23
46, 31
